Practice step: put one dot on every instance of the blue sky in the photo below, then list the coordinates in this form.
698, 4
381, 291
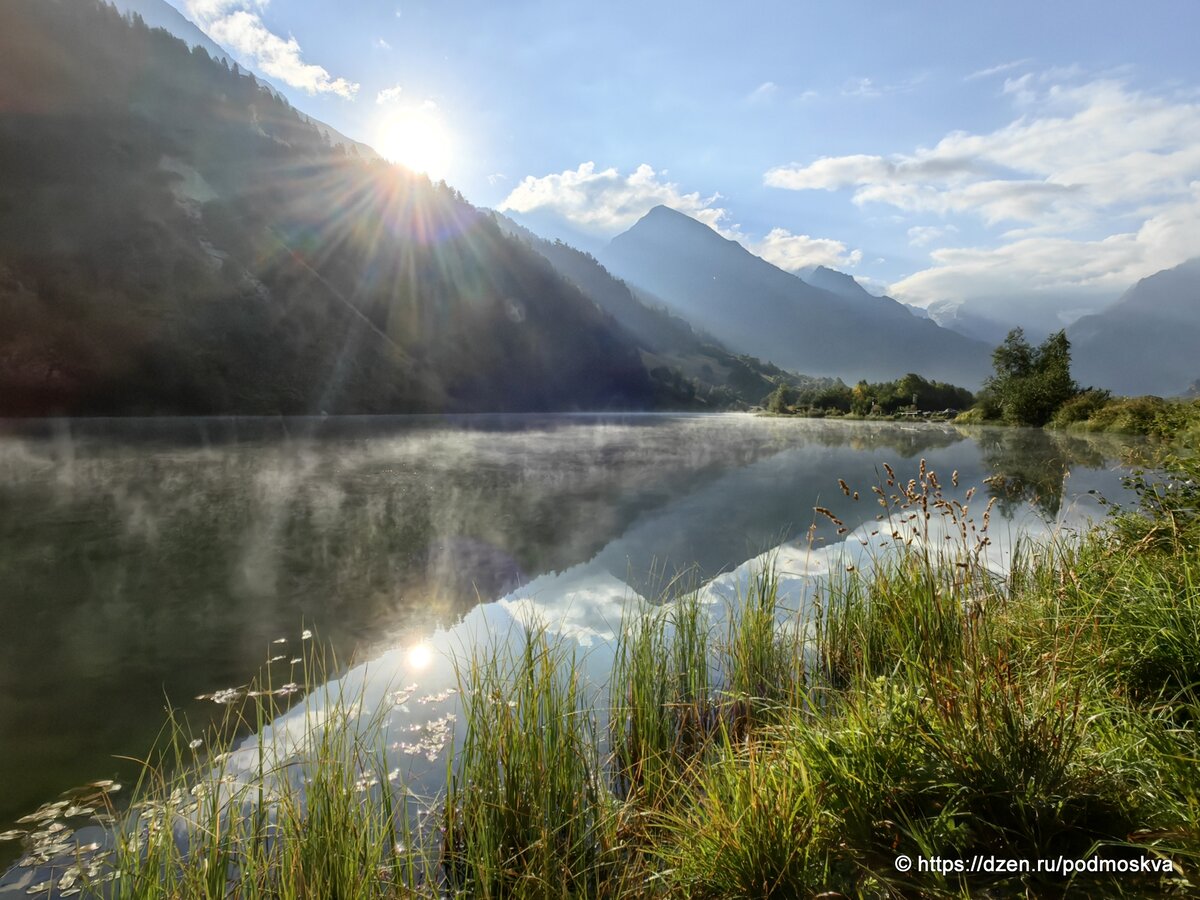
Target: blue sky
943, 151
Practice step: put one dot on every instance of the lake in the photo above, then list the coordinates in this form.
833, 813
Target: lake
144, 563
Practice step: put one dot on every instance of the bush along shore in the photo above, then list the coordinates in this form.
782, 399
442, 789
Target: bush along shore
929, 728
1030, 386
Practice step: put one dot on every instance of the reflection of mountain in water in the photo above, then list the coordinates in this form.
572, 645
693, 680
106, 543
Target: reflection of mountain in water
144, 558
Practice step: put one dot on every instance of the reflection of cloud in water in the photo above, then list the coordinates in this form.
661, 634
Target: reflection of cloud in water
585, 604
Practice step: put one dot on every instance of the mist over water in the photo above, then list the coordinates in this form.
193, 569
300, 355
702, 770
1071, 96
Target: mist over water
146, 563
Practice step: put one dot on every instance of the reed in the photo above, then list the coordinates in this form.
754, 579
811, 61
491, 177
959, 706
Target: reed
527, 813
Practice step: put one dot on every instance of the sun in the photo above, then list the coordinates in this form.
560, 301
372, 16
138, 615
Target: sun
419, 656
416, 138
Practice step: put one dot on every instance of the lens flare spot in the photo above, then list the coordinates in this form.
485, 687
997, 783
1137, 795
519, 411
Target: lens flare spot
419, 656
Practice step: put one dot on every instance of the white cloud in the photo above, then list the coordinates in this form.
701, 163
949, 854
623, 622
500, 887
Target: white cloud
763, 93
605, 201
997, 69
861, 87
381, 44
869, 89
389, 95
1086, 149
1082, 158
796, 251
1061, 266
921, 235
236, 25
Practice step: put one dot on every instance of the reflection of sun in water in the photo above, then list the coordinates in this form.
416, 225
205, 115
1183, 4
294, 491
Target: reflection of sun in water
419, 656
415, 137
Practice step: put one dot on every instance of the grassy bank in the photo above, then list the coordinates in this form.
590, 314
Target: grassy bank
1167, 420
926, 709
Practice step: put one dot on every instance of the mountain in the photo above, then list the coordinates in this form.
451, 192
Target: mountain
835, 282
161, 14
847, 286
1146, 342
677, 356
991, 318
757, 308
980, 324
176, 239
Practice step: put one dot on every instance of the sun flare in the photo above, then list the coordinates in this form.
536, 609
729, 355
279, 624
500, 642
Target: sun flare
416, 138
419, 657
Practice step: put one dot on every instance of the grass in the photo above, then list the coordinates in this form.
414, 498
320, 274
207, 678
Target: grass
526, 812
928, 707
1150, 416
1093, 410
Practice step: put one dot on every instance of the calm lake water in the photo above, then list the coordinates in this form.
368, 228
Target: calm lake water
145, 563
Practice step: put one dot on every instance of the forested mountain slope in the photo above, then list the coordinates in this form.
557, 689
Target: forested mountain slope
175, 239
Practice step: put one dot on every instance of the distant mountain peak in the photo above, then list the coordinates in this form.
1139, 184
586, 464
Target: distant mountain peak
836, 328
835, 282
664, 217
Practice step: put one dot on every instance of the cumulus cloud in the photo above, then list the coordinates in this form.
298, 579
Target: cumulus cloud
797, 251
1081, 158
1061, 266
381, 44
237, 25
1084, 150
605, 201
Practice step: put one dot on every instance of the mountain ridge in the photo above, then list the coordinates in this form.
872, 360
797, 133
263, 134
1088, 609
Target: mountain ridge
1145, 342
174, 239
720, 286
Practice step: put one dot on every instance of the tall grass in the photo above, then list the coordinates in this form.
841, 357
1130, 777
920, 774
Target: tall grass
663, 708
526, 811
291, 814
929, 706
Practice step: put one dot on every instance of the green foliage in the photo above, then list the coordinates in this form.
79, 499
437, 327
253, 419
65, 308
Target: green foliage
910, 392
1081, 407
754, 833
782, 399
526, 814
1150, 416
1029, 385
663, 710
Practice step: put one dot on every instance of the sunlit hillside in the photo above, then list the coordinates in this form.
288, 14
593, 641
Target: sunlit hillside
174, 238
